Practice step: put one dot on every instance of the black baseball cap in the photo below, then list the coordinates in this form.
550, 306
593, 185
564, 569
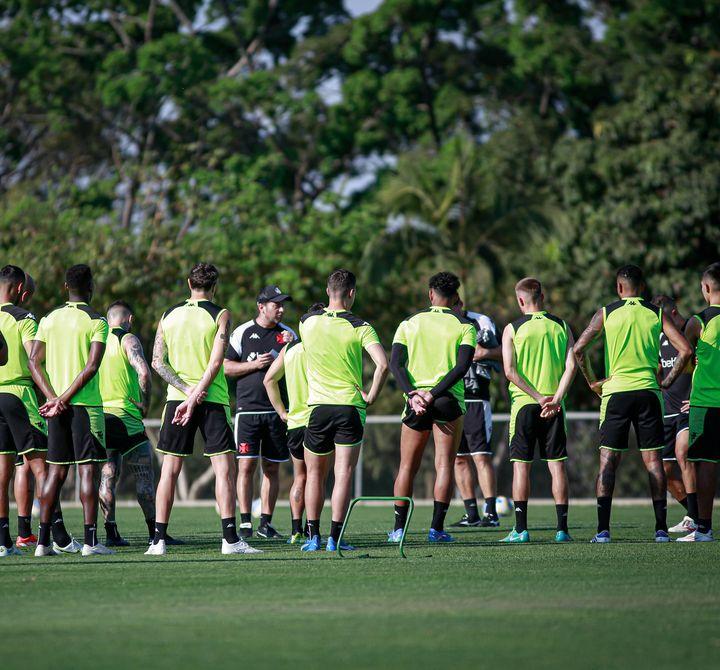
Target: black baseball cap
272, 293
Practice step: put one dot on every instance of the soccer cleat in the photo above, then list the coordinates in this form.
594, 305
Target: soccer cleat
513, 537
313, 544
156, 549
72, 547
245, 529
687, 525
44, 550
26, 542
333, 546
697, 536
467, 522
296, 538
98, 549
239, 547
562, 536
661, 536
116, 542
601, 538
13, 551
489, 521
440, 536
267, 532
395, 536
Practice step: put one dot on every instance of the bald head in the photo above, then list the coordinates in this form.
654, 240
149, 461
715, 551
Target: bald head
120, 314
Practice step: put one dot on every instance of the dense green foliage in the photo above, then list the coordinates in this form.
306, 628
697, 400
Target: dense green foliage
283, 139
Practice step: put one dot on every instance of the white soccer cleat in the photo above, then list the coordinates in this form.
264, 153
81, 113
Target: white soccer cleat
9, 551
239, 547
687, 525
44, 550
697, 536
73, 547
96, 550
156, 549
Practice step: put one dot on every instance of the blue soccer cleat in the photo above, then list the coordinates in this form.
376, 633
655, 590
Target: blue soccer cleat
439, 536
395, 536
513, 537
601, 538
562, 536
661, 536
313, 544
332, 546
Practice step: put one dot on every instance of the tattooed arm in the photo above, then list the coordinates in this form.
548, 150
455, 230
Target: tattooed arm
136, 357
589, 335
214, 367
162, 366
685, 351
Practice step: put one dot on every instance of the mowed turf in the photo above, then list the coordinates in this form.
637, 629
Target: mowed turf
476, 603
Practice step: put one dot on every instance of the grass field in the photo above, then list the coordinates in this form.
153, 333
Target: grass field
472, 604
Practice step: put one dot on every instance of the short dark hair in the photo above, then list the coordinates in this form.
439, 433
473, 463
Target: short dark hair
203, 276
665, 302
79, 278
530, 287
631, 275
712, 275
444, 283
341, 281
119, 305
12, 275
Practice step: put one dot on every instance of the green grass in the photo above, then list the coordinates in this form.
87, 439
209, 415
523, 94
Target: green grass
475, 603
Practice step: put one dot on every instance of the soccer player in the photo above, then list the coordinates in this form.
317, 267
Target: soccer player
630, 392
290, 365
333, 341
188, 354
431, 352
540, 366
474, 457
259, 432
703, 332
125, 390
679, 473
66, 354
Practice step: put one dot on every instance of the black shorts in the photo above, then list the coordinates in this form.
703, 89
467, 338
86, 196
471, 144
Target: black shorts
673, 426
333, 426
22, 430
477, 429
642, 410
295, 440
77, 436
121, 435
213, 420
704, 434
262, 434
528, 428
445, 408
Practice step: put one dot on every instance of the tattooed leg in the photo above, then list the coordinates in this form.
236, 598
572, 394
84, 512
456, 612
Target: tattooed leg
108, 481
140, 463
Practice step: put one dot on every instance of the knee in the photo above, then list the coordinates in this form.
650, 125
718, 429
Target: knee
270, 469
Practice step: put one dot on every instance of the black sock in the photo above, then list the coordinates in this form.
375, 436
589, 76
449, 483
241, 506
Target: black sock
562, 517
59, 532
335, 528
438, 518
692, 506
90, 534
245, 517
313, 528
5, 540
160, 532
297, 526
265, 519
604, 507
520, 515
401, 512
229, 530
24, 526
44, 534
151, 527
684, 503
490, 507
111, 530
660, 507
471, 509
704, 525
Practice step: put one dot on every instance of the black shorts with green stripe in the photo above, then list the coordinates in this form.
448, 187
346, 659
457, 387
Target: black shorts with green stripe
643, 410
213, 421
295, 440
331, 426
123, 433
528, 429
704, 434
77, 436
22, 429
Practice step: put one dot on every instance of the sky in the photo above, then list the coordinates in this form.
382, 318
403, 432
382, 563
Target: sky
358, 7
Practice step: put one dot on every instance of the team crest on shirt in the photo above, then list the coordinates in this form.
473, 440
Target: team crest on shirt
243, 448
279, 338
